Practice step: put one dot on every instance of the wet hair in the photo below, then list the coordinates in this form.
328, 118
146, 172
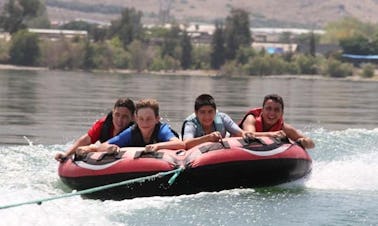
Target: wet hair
125, 102
204, 100
148, 103
276, 98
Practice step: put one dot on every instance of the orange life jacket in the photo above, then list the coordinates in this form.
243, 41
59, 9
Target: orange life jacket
259, 124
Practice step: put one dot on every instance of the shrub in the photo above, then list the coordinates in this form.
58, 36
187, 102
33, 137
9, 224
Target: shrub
337, 69
368, 70
306, 64
24, 49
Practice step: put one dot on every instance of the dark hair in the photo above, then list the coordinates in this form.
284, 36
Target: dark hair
276, 98
204, 100
148, 103
125, 102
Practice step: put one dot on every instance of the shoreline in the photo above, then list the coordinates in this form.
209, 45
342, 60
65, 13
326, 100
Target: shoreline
205, 73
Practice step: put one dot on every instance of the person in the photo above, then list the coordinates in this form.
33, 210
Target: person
147, 132
206, 124
268, 121
120, 118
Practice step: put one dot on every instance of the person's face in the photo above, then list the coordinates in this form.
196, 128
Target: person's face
122, 117
272, 112
146, 119
206, 115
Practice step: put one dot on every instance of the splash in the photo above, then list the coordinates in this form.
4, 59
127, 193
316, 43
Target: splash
345, 160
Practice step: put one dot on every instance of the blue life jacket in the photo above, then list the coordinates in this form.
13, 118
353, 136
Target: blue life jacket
218, 125
137, 138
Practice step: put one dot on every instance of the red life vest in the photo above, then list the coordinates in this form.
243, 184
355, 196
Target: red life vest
259, 124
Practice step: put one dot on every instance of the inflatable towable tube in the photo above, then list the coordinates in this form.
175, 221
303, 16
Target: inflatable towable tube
234, 163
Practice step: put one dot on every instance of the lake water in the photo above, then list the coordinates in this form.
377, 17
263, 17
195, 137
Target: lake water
42, 112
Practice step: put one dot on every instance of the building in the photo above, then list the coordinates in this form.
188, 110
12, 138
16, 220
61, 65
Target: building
55, 34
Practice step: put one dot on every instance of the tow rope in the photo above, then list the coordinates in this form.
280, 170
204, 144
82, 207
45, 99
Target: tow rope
175, 172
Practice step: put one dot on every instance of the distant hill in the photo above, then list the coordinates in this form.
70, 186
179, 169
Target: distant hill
263, 13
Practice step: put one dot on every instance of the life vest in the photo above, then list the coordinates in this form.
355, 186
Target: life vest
137, 138
218, 125
259, 123
107, 127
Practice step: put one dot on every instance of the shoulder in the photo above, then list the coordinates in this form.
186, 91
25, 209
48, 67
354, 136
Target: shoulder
223, 116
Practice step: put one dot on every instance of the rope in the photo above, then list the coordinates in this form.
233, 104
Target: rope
175, 173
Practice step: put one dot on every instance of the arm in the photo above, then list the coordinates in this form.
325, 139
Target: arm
174, 143
82, 141
293, 134
250, 129
212, 137
249, 124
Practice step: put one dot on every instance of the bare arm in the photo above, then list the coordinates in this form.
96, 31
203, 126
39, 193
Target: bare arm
293, 134
82, 141
174, 143
212, 137
249, 124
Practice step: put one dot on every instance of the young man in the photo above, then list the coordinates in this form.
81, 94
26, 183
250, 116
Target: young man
268, 121
147, 132
120, 118
206, 124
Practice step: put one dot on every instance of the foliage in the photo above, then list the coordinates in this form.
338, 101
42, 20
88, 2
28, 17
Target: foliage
368, 70
231, 68
201, 57
337, 69
4, 52
88, 59
306, 64
358, 45
138, 59
237, 32
17, 12
128, 27
186, 54
346, 28
218, 47
24, 49
171, 41
63, 54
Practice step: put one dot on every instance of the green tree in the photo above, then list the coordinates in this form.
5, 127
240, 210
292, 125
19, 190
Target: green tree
217, 54
128, 27
17, 12
138, 55
358, 44
237, 32
171, 41
186, 53
88, 61
24, 49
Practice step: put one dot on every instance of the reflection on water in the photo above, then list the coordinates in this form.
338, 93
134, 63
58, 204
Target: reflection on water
51, 107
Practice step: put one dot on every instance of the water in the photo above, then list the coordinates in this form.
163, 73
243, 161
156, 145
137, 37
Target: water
43, 112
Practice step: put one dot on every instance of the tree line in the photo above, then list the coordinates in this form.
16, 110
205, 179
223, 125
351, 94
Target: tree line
127, 44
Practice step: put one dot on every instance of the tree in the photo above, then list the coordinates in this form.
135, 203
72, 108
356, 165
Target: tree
88, 61
24, 49
138, 55
128, 27
17, 12
358, 44
237, 32
171, 41
186, 53
217, 47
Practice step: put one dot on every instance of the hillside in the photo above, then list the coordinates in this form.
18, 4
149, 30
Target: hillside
263, 13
